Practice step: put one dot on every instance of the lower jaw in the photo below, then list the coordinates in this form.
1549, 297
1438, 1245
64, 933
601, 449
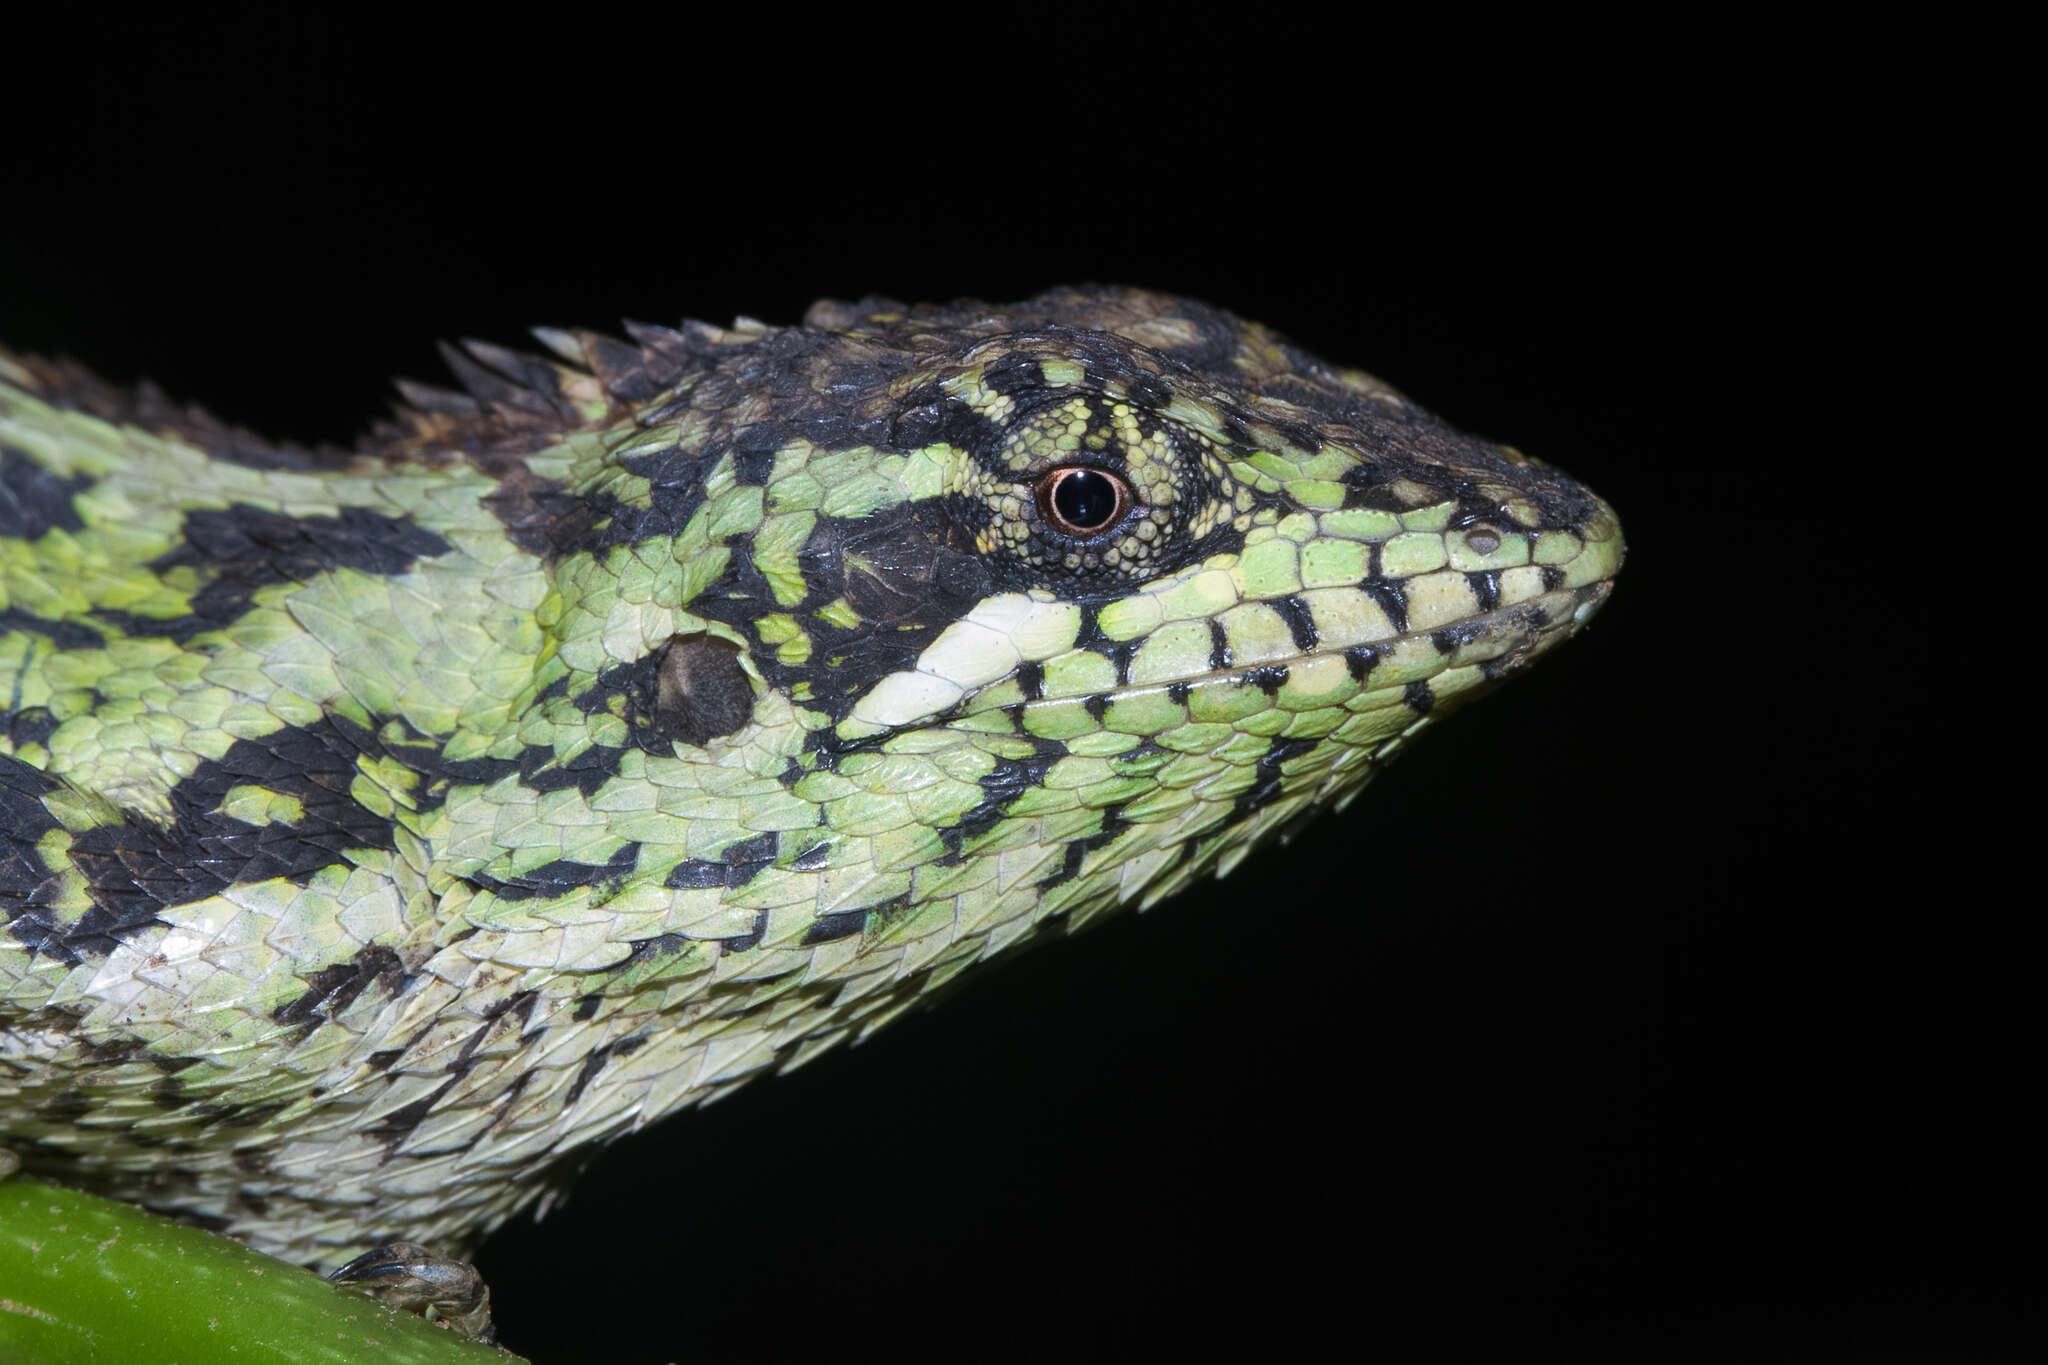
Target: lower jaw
1449, 660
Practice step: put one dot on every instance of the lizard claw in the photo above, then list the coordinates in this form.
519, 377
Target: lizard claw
413, 1279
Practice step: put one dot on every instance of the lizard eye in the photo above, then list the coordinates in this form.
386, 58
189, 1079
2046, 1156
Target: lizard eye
1082, 501
1080, 490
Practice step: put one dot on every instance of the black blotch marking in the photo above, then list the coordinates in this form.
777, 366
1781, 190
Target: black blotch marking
586, 1006
243, 548
541, 516
534, 765
1393, 601
964, 577
30, 725
752, 938
1485, 588
1149, 390
1178, 692
1267, 679
1219, 646
34, 500
381, 1061
399, 1124
62, 634
739, 864
1008, 780
1031, 680
1475, 510
1266, 778
696, 874
1418, 697
931, 417
133, 870
827, 928
520, 1003
1096, 706
586, 772
116, 1051
552, 521
177, 628
1446, 639
1013, 375
812, 858
1088, 635
1371, 486
1553, 577
1359, 660
646, 949
252, 547
1301, 623
754, 448
1119, 656
1367, 486
889, 909
884, 911
901, 572
1113, 824
506, 1099
594, 1063
1224, 540
334, 988
563, 874
396, 1126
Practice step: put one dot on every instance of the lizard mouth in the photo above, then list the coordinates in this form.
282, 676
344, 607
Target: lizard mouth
1455, 657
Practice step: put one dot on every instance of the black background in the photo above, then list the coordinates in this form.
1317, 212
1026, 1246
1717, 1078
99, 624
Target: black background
1637, 1014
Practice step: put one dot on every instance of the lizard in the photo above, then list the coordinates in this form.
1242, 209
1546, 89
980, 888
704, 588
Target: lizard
382, 830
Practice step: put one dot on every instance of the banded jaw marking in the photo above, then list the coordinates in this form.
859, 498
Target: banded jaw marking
1452, 609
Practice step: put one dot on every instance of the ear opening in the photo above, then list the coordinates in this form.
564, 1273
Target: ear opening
701, 690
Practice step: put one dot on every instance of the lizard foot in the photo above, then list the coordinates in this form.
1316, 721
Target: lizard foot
409, 1277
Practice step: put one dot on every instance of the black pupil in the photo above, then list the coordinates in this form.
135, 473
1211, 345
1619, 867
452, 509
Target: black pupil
1085, 499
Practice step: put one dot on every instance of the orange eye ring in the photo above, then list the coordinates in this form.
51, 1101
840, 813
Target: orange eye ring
1082, 501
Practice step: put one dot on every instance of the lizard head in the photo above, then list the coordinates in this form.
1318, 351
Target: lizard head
635, 724
1002, 610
